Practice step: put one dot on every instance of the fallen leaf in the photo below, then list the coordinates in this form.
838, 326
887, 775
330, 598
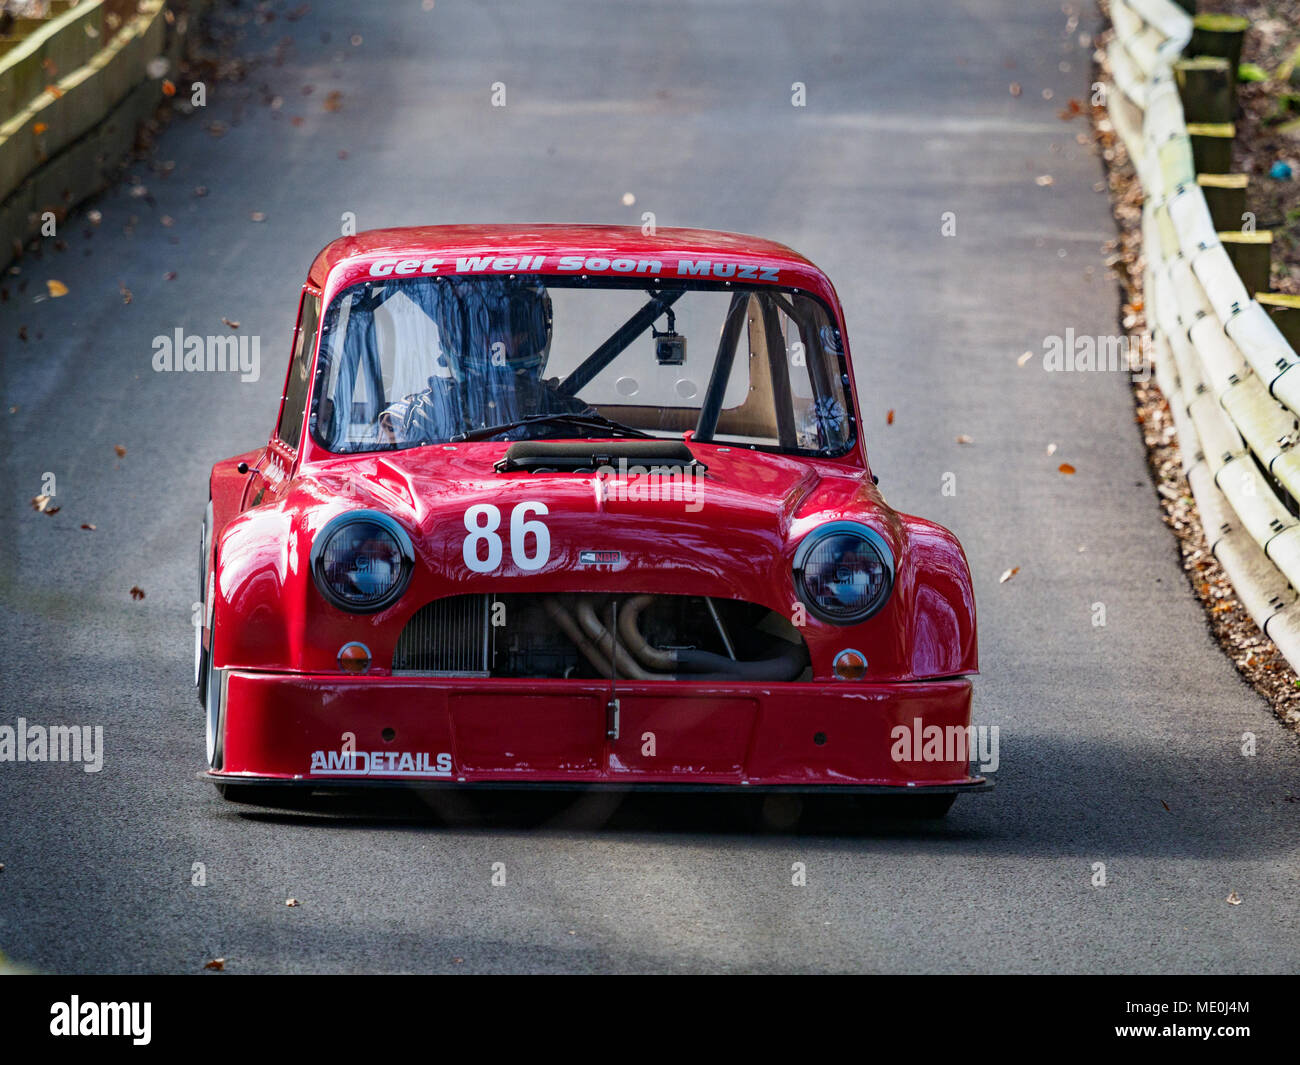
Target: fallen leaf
1024, 358
1008, 575
56, 288
1051, 450
1164, 804
170, 275
167, 220
1065, 468
964, 439
40, 502
39, 128
1044, 180
297, 120
229, 324
216, 964
1233, 899
137, 593
168, 88
889, 418
88, 526
54, 91
94, 217
1015, 88
126, 292
292, 902
121, 451
257, 216
333, 101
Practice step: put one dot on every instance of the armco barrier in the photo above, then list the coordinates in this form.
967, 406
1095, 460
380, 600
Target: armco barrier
71, 97
1226, 369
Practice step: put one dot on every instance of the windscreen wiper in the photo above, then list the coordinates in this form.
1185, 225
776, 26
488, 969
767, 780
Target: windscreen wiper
588, 421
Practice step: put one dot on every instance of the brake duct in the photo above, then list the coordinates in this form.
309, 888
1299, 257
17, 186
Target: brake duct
636, 658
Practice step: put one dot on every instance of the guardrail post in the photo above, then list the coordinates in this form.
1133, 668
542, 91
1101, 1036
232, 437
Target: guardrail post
1211, 146
1225, 195
1284, 309
1220, 35
1252, 255
1207, 85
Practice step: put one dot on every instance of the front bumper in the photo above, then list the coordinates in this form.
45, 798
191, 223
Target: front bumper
334, 731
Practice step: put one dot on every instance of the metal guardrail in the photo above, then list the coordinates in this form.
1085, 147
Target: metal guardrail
73, 92
46, 113
1226, 369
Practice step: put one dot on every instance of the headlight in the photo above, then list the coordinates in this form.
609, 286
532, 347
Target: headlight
362, 561
844, 572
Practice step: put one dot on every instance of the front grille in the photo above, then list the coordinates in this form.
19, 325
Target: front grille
446, 636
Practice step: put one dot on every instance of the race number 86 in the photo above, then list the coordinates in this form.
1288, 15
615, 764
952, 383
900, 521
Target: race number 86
482, 522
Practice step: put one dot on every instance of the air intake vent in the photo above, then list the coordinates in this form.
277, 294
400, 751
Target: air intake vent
448, 636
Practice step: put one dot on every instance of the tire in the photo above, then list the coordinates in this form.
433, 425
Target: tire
200, 652
214, 706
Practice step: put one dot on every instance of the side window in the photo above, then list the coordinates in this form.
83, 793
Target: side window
295, 389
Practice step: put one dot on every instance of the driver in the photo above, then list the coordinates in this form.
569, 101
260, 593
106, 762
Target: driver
496, 344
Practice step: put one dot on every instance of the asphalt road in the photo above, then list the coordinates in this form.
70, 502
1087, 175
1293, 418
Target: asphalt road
1119, 744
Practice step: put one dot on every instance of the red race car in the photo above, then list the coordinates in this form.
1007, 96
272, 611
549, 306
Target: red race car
575, 506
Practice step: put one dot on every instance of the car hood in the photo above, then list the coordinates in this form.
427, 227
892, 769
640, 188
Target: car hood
721, 532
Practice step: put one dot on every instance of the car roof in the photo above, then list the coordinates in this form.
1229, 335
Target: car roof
728, 256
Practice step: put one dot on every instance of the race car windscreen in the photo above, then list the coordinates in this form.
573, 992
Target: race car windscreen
406, 362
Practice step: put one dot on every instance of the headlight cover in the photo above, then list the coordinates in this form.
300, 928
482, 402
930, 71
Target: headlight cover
844, 572
362, 561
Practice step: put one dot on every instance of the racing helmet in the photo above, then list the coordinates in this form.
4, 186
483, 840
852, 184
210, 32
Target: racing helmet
522, 323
